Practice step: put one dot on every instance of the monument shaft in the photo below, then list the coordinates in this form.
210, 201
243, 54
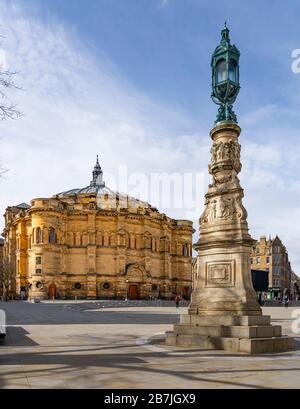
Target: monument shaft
224, 249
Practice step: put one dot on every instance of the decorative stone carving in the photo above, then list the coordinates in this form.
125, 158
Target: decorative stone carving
220, 274
225, 161
210, 212
224, 151
226, 208
240, 209
223, 208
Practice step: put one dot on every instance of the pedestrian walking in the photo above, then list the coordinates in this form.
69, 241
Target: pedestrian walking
22, 295
286, 301
177, 300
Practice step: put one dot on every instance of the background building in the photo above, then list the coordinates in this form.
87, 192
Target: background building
271, 255
94, 242
295, 288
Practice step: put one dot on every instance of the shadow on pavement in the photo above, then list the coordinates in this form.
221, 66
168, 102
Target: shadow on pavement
55, 314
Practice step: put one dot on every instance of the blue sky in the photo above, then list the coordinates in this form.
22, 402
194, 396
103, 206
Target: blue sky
130, 80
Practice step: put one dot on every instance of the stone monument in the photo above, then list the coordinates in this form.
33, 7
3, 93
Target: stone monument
224, 313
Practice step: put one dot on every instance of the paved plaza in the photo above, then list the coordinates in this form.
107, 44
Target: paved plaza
113, 345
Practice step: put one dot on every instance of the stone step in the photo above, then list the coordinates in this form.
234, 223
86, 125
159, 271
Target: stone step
201, 342
248, 346
261, 331
267, 345
208, 331
229, 331
226, 320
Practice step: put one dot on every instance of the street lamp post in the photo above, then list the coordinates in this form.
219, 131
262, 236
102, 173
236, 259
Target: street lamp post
224, 292
127, 282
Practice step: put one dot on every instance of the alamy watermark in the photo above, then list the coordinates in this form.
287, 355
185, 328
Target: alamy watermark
296, 61
180, 194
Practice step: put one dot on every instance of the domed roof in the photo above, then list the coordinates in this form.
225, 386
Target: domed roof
97, 189
105, 196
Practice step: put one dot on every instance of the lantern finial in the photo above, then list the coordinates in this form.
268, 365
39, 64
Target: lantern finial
225, 34
225, 77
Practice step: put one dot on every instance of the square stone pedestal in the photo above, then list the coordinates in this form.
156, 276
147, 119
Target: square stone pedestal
247, 334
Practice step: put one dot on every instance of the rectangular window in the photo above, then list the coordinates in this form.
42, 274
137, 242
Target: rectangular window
258, 260
268, 260
38, 272
38, 261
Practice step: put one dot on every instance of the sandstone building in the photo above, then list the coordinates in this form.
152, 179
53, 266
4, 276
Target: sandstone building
1, 266
271, 255
96, 243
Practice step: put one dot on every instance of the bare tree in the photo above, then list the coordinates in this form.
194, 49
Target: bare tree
2, 171
7, 278
8, 110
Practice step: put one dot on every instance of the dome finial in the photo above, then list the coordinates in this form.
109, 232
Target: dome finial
97, 175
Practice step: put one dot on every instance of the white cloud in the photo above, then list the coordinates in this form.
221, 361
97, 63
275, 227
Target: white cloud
164, 3
74, 108
3, 62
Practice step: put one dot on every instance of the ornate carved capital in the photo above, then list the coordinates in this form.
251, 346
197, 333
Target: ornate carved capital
226, 161
222, 208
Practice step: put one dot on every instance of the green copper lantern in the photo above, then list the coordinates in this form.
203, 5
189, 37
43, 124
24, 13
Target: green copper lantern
225, 78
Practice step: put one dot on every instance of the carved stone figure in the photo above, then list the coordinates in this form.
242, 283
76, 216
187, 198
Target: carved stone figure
226, 208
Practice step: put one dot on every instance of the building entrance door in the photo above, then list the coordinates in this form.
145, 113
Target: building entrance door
52, 291
185, 292
134, 292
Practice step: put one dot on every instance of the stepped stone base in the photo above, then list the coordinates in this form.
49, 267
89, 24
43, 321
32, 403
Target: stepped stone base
247, 334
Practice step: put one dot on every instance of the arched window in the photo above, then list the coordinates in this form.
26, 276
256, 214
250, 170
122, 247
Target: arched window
52, 236
39, 235
185, 250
